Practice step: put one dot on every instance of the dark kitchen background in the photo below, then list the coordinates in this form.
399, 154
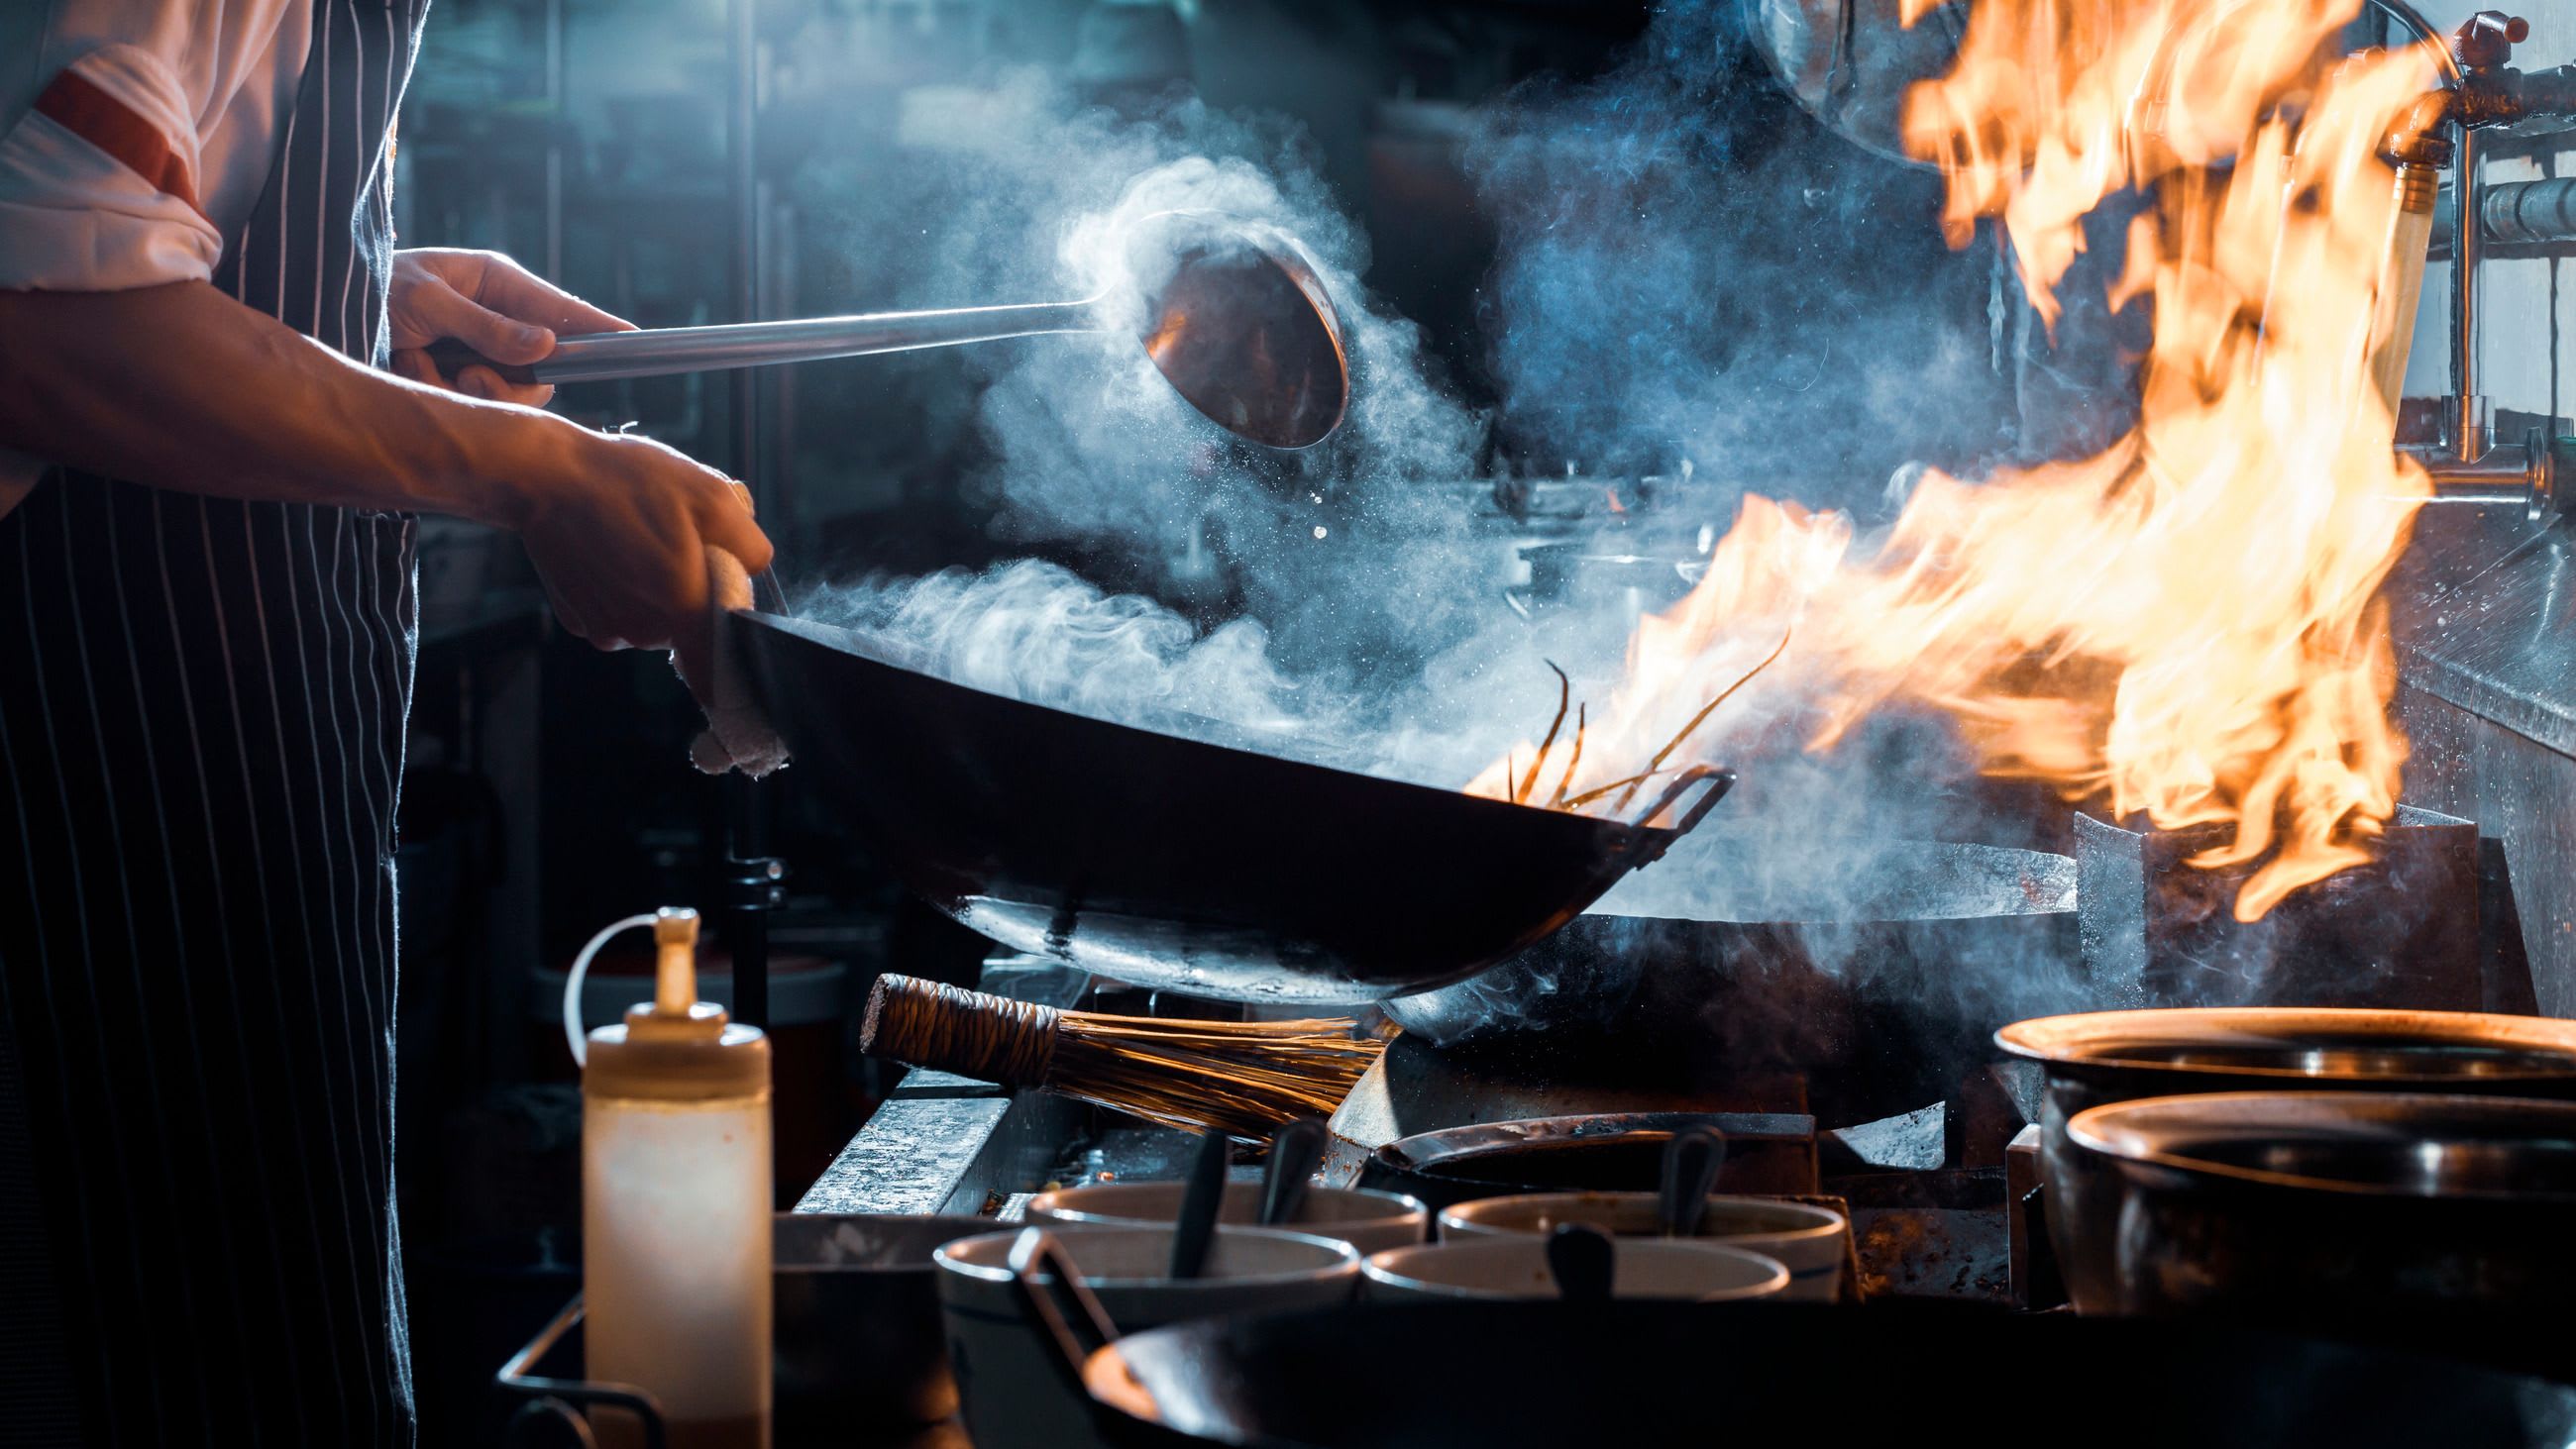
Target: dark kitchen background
603, 144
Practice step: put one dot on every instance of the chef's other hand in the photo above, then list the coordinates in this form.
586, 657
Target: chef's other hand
619, 531
491, 304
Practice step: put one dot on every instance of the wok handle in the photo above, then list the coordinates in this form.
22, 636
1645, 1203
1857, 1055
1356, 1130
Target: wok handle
1717, 782
1064, 1306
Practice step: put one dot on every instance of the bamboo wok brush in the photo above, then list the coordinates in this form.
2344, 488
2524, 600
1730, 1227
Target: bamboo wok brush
1243, 1079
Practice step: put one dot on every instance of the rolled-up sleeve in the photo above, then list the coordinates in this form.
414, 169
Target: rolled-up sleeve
98, 180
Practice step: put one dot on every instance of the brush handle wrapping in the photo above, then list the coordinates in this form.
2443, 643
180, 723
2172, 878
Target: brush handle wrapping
951, 1029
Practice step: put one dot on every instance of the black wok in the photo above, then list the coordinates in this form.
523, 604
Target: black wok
1168, 859
1639, 1372
1872, 973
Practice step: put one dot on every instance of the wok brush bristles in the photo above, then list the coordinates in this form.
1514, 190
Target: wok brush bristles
1244, 1079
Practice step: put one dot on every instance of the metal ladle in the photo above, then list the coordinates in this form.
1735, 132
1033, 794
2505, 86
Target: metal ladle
1229, 310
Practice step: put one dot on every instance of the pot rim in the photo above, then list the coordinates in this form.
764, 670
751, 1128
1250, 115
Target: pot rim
1394, 1207
2313, 1115
1817, 1225
1387, 1266
2063, 1041
1340, 1259
965, 1225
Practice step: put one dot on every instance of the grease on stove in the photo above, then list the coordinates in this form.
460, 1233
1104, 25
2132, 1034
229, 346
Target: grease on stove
1932, 1235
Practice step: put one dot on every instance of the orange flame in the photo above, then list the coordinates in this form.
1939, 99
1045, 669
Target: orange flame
2187, 624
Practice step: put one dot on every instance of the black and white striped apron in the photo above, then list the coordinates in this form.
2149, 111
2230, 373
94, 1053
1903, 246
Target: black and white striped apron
201, 731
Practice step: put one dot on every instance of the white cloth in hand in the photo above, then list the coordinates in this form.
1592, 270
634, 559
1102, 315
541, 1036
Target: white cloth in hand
737, 736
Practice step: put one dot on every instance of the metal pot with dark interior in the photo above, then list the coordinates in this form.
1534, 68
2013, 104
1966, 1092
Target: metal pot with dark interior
2098, 1058
858, 1337
2433, 1223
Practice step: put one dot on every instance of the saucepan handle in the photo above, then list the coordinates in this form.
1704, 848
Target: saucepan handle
1065, 1310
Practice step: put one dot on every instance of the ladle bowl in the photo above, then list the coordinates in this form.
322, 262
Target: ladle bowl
1230, 311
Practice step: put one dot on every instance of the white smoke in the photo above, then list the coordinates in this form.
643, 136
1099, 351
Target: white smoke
1675, 282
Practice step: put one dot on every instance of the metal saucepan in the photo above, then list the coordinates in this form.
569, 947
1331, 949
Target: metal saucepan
1867, 980
1231, 312
2099, 1058
1170, 860
2435, 1223
1631, 1372
858, 1337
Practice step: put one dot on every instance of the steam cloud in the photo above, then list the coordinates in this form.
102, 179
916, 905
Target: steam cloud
1690, 271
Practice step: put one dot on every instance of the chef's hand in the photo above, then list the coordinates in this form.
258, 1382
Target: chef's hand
618, 530
491, 304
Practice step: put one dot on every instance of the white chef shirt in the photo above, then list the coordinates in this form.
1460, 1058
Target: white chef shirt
135, 135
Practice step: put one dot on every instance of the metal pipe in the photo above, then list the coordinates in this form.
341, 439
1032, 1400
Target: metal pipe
2502, 478
2528, 212
2522, 213
2468, 410
557, 88
746, 827
742, 43
2413, 19
2526, 475
2518, 214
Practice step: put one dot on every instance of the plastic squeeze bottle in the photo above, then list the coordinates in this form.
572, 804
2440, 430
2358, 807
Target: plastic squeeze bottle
675, 1208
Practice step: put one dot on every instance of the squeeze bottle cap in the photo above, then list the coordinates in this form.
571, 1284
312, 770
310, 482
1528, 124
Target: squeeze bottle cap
676, 1047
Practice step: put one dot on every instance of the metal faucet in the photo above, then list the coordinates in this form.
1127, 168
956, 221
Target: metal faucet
2479, 90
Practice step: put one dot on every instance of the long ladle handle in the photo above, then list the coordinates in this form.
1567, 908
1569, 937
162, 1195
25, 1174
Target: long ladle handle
1065, 1309
1296, 1150
1691, 1162
1194, 1231
1584, 1263
660, 351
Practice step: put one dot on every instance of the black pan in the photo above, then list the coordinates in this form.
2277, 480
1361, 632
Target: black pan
1642, 1372
1875, 974
1170, 860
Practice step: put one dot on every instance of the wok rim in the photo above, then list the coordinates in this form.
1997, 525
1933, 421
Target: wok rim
891, 654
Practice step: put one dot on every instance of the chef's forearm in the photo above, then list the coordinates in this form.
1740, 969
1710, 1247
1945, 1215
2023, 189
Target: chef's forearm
182, 387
